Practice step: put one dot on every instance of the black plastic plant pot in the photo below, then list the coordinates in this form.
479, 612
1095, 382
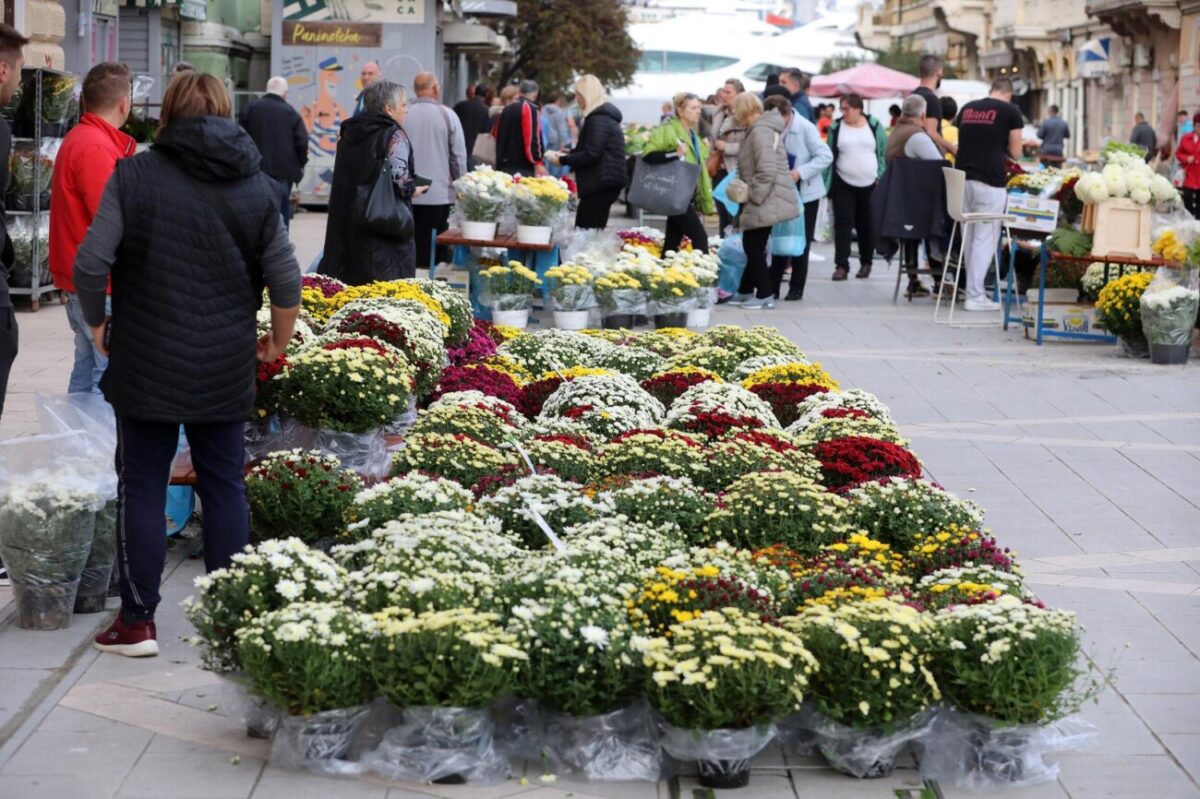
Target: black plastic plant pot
724, 774
1168, 354
640, 320
44, 607
618, 321
1000, 754
93, 601
451, 779
670, 319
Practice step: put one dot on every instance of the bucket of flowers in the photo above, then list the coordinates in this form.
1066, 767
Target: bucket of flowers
1169, 307
508, 291
538, 202
672, 293
482, 195
621, 298
571, 290
721, 680
1119, 311
705, 268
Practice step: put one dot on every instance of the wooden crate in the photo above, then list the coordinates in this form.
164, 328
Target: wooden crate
1120, 227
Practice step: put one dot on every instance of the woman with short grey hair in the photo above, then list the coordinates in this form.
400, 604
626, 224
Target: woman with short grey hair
353, 254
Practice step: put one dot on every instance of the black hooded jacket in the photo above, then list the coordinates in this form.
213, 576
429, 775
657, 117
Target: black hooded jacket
599, 158
183, 298
352, 254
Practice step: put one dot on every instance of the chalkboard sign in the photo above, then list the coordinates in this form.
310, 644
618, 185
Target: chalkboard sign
665, 189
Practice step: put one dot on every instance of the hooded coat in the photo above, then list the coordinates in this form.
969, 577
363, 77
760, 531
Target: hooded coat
353, 254
762, 164
599, 157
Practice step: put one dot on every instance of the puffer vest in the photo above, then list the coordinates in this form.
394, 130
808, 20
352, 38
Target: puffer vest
183, 300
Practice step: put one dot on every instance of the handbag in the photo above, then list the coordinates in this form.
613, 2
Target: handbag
484, 149
716, 160
666, 188
738, 191
378, 210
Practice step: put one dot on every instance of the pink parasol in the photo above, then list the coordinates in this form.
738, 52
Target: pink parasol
870, 81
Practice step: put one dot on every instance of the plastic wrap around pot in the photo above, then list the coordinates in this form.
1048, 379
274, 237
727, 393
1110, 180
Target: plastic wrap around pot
260, 716
978, 753
671, 306
622, 301
97, 571
1169, 306
865, 753
363, 453
722, 756
796, 732
262, 438
507, 302
613, 747
404, 421
439, 743
520, 728
320, 742
572, 298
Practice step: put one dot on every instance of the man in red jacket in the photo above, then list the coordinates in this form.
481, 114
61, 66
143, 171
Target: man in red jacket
85, 162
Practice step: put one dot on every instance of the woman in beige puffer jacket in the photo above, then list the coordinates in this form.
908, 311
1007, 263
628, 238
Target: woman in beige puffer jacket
763, 166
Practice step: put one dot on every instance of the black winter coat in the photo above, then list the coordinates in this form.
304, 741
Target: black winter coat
352, 254
909, 202
281, 137
184, 300
599, 158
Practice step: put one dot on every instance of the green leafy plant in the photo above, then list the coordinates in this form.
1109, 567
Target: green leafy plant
300, 493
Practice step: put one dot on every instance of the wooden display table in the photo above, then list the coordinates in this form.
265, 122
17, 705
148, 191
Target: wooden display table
538, 257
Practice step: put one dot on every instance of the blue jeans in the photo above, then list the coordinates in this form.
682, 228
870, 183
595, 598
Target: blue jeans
89, 363
285, 200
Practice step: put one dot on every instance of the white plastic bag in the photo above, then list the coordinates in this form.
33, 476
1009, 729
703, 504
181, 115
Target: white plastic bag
363, 453
260, 716
977, 753
439, 744
865, 753
722, 756
823, 232
620, 746
320, 742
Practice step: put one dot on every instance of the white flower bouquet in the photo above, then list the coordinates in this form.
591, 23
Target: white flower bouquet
1169, 307
483, 194
537, 498
413, 493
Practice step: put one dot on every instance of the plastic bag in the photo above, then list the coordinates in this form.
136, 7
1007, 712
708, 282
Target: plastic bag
439, 743
572, 298
622, 301
97, 571
403, 422
796, 732
320, 742
600, 246
975, 752
706, 297
614, 747
1169, 306
89, 413
665, 306
865, 753
732, 263
507, 302
721, 194
363, 453
262, 438
520, 728
722, 756
823, 232
260, 716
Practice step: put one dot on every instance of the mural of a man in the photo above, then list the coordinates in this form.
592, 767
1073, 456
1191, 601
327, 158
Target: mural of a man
325, 116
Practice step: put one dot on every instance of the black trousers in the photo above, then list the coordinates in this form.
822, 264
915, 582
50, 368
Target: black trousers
144, 454
851, 210
687, 224
757, 277
592, 213
428, 221
8, 348
1191, 201
779, 263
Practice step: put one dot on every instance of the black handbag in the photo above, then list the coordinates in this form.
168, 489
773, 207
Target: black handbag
666, 188
379, 210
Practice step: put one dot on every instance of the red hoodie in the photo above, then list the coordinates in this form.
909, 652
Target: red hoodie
85, 162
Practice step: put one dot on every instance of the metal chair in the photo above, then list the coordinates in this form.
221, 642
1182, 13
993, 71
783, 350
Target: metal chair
956, 187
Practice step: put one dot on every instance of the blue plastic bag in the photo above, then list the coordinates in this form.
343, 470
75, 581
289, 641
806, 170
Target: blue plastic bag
720, 195
788, 238
732, 262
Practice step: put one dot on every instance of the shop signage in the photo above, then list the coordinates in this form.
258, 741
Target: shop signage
333, 34
411, 12
1033, 214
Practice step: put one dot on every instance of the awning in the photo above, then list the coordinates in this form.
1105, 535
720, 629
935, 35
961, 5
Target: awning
870, 81
465, 36
996, 59
489, 8
1095, 57
188, 9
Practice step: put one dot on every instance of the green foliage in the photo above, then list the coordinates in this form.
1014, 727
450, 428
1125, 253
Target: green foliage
1069, 241
559, 39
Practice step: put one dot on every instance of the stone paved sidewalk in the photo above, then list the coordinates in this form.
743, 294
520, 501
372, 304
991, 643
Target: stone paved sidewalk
1086, 464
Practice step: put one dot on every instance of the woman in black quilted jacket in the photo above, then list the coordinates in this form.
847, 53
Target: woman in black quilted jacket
599, 158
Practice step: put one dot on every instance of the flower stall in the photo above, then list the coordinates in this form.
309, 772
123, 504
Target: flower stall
618, 554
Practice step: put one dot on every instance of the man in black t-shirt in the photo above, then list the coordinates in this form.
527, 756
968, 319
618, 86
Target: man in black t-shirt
931, 79
989, 131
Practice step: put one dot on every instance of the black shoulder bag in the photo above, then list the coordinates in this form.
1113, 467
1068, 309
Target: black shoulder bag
377, 208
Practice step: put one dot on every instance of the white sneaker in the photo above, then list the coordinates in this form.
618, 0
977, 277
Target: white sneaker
739, 298
755, 304
981, 305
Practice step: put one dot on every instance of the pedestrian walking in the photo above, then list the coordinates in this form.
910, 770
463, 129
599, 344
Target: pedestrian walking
473, 118
518, 134
557, 131
989, 132
599, 158
910, 140
1053, 132
1143, 136
440, 148
796, 82
11, 61
858, 142
282, 140
191, 234
931, 72
726, 139
1188, 155
679, 137
808, 157
85, 161
354, 254
772, 196
369, 74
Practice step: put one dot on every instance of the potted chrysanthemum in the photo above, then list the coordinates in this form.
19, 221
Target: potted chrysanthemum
538, 202
482, 195
571, 290
508, 291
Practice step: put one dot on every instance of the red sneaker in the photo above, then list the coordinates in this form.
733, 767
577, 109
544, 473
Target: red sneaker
136, 640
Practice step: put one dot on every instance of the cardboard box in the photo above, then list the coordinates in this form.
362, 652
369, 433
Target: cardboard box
1120, 227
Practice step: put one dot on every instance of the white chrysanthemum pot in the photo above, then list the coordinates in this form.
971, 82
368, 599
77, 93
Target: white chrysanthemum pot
533, 234
479, 231
518, 319
571, 320
699, 317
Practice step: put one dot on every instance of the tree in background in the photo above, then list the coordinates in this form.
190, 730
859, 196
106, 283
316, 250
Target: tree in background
897, 57
557, 40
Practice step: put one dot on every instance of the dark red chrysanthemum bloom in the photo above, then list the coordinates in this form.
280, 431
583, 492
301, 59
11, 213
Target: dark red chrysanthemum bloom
850, 461
784, 398
491, 382
535, 394
845, 413
479, 345
762, 438
667, 388
376, 327
326, 285
715, 424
